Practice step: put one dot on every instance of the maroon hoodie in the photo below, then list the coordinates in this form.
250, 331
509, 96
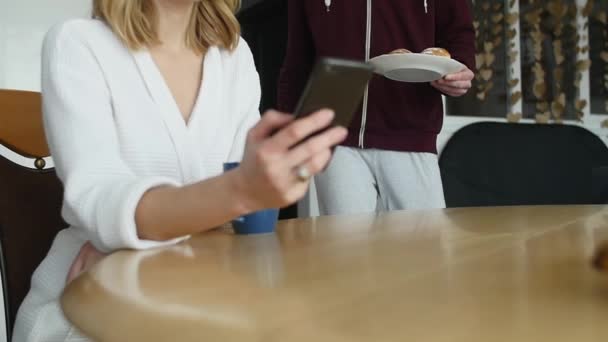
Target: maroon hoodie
398, 116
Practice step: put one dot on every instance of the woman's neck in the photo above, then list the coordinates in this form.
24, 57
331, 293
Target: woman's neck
172, 21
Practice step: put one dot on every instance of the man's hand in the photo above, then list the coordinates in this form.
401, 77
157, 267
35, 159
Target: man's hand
456, 84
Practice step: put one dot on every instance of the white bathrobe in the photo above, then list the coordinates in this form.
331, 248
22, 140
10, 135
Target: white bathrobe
115, 131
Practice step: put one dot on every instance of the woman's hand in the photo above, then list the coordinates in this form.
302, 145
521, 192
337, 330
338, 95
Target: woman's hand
456, 84
86, 258
275, 152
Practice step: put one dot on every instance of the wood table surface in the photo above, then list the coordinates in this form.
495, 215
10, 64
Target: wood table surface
476, 274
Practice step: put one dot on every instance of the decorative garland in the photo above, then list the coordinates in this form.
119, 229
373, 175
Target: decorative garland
489, 29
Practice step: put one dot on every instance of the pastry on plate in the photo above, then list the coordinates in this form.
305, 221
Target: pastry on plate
437, 51
400, 52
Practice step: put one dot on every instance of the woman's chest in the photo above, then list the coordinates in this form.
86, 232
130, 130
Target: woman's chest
155, 139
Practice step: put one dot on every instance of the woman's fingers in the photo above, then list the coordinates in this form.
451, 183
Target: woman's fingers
315, 145
86, 258
318, 162
270, 122
296, 131
75, 269
78, 263
268, 173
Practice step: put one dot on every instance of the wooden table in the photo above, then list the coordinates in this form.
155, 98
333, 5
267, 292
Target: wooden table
494, 274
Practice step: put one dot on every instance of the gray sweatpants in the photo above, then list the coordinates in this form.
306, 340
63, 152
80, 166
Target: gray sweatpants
359, 181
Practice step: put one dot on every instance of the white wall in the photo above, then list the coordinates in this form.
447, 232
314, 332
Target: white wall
23, 24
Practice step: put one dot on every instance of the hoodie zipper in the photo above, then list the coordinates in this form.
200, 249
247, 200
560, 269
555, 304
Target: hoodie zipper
368, 41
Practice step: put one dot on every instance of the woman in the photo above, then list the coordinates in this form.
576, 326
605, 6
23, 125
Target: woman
142, 106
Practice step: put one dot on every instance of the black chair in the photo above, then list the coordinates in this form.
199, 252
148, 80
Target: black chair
30, 196
599, 178
495, 164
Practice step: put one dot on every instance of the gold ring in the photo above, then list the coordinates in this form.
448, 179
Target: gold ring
303, 173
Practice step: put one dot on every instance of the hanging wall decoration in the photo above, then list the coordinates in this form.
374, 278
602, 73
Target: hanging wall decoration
489, 31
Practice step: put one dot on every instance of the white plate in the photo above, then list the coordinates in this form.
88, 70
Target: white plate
414, 67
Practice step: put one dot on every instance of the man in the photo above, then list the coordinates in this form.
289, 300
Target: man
389, 160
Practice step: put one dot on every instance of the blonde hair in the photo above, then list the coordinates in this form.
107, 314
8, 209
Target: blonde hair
212, 23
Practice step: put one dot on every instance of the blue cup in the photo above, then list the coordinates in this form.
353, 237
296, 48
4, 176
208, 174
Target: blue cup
259, 222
